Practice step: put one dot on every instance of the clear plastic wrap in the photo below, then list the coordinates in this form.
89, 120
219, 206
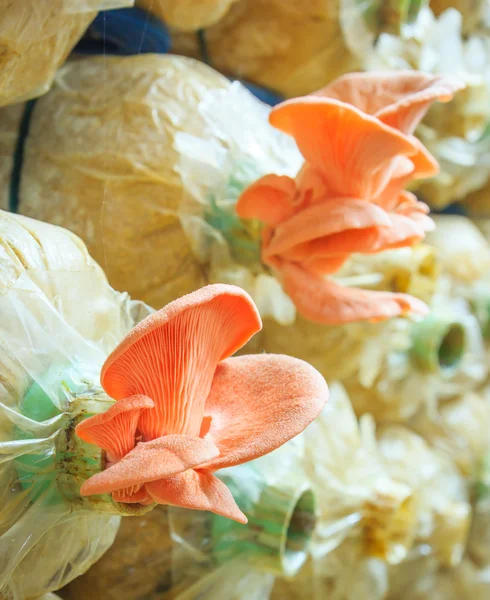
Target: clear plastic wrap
36, 36
59, 319
206, 556
100, 159
357, 498
399, 506
457, 133
217, 162
479, 541
441, 357
160, 190
466, 264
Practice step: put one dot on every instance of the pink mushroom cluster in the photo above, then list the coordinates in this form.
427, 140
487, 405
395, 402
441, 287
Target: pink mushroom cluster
356, 136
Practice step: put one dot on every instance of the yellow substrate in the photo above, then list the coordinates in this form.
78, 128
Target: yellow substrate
36, 36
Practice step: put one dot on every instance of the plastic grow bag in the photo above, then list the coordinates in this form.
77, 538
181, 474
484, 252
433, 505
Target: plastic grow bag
59, 320
100, 148
36, 36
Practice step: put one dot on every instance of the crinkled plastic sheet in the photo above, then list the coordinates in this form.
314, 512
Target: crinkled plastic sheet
36, 36
474, 12
459, 428
457, 134
59, 321
100, 161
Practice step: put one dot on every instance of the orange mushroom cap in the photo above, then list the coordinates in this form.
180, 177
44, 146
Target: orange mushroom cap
352, 150
171, 356
399, 99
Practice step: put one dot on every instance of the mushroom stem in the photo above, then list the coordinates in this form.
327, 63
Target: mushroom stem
438, 343
73, 460
281, 523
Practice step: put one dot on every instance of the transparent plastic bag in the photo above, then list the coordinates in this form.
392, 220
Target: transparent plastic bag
321, 508
100, 161
177, 195
356, 495
479, 541
217, 162
347, 573
36, 36
59, 320
473, 11
477, 206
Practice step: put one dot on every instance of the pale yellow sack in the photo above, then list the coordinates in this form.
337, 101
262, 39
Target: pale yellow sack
100, 161
36, 37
